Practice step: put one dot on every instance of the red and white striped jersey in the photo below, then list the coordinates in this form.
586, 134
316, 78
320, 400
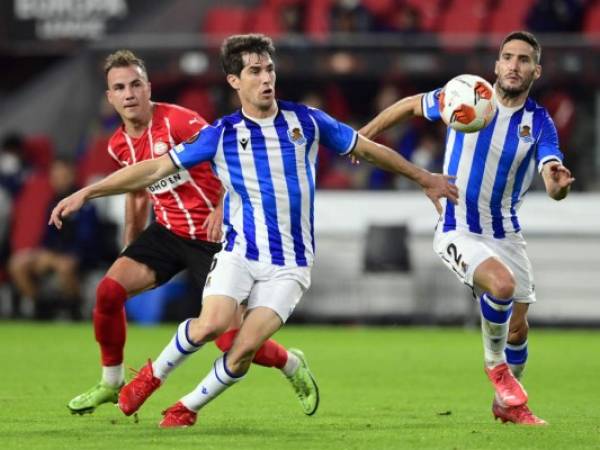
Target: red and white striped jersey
183, 200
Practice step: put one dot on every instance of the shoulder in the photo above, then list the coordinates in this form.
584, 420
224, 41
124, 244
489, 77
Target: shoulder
285, 105
228, 121
173, 111
117, 139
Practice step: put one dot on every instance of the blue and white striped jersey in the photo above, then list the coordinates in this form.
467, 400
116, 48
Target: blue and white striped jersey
268, 168
495, 166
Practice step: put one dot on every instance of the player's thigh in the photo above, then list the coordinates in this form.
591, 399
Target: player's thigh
281, 292
229, 276
513, 252
134, 276
462, 253
158, 249
216, 315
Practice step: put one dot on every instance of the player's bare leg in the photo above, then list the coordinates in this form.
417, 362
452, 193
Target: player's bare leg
291, 362
516, 356
497, 282
125, 278
217, 313
259, 325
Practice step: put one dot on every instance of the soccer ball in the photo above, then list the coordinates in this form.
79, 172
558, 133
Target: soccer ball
467, 103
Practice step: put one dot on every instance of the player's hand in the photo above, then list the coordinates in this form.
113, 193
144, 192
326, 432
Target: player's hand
436, 186
354, 159
213, 225
66, 207
560, 175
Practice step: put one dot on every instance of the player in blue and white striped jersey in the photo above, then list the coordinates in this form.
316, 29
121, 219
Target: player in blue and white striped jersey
480, 238
265, 157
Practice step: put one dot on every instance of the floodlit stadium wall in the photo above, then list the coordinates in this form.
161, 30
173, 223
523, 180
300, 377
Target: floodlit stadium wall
563, 244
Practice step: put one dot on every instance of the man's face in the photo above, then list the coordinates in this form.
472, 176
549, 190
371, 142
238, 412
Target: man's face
516, 68
256, 83
129, 92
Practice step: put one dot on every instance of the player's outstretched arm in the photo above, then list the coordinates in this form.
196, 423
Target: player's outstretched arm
557, 179
127, 179
434, 185
403, 109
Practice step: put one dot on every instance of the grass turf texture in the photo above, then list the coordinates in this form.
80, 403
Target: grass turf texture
396, 388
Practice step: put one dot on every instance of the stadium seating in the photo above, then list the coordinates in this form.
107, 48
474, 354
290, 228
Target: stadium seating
39, 151
30, 212
509, 15
222, 21
198, 99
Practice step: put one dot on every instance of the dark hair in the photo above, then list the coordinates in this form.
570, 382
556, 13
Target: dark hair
123, 58
234, 48
527, 37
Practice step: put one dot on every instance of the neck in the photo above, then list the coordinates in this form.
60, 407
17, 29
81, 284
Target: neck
136, 127
259, 113
510, 101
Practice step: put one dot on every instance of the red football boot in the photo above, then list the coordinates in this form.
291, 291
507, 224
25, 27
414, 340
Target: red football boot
508, 388
136, 392
178, 416
520, 415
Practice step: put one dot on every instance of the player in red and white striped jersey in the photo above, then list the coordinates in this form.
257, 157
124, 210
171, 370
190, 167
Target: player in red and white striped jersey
185, 234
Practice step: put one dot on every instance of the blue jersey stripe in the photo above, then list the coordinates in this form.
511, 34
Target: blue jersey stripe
516, 192
288, 155
230, 150
267, 191
506, 160
450, 216
482, 148
230, 234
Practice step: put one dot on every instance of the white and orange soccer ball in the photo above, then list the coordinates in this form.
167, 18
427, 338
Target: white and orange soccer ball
467, 103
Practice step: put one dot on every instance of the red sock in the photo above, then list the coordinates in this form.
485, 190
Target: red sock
270, 354
110, 323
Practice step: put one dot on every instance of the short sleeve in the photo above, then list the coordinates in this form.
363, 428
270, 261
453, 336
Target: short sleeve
185, 124
547, 144
200, 148
430, 103
336, 136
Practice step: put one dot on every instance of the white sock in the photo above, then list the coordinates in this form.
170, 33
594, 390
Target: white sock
291, 365
214, 383
516, 356
495, 315
176, 352
113, 376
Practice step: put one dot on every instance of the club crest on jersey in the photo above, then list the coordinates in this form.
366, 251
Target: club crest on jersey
295, 135
160, 148
525, 133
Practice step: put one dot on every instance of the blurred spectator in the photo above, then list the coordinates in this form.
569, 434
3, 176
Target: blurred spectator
13, 167
551, 16
350, 16
60, 254
404, 20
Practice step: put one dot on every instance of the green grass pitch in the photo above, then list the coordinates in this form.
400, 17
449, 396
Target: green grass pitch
392, 388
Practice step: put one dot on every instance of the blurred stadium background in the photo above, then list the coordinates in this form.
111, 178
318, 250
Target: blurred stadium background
352, 58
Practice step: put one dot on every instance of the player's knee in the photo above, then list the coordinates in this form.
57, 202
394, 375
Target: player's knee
503, 285
110, 296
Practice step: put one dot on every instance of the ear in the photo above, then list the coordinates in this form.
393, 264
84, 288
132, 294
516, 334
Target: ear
538, 71
234, 81
496, 67
149, 89
109, 96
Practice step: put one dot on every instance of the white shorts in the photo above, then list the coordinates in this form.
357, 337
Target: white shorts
462, 252
279, 288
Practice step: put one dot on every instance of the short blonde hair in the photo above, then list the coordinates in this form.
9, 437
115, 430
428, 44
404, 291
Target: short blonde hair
123, 58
